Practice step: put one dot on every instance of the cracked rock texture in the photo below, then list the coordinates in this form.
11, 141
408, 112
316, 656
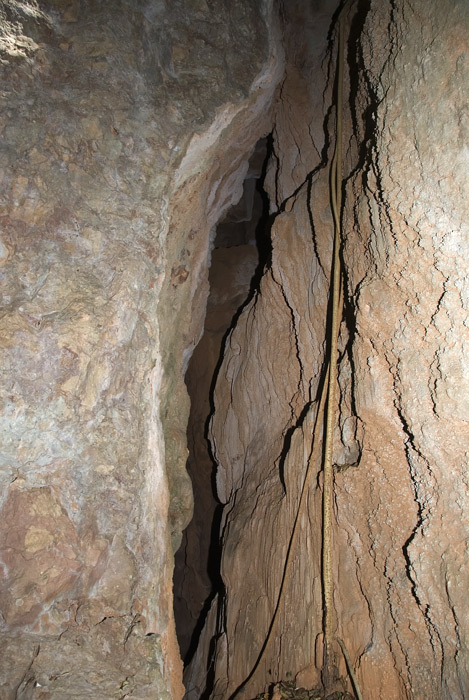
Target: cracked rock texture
231, 270
401, 451
126, 132
234, 263
126, 129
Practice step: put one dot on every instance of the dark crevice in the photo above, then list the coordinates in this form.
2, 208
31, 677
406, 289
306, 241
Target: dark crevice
263, 242
411, 449
213, 567
245, 229
364, 130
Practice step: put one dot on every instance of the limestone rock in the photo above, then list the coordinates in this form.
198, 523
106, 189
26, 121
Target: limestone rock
126, 132
106, 110
401, 496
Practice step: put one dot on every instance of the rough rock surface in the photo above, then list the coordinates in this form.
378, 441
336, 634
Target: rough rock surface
404, 511
402, 446
126, 129
234, 263
231, 271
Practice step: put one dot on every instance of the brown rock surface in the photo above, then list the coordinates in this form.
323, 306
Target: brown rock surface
109, 111
401, 490
126, 130
409, 230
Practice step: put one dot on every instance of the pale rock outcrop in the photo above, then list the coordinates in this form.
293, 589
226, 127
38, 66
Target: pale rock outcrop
126, 130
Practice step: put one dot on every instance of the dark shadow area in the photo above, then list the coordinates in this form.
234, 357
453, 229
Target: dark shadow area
213, 570
242, 251
249, 222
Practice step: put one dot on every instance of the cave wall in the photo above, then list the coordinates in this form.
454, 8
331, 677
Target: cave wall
401, 488
408, 224
126, 132
234, 261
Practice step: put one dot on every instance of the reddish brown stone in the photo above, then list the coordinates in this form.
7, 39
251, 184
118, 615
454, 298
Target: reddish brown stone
40, 554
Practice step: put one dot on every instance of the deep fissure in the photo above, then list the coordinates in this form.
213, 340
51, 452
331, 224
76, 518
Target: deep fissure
228, 234
241, 250
126, 132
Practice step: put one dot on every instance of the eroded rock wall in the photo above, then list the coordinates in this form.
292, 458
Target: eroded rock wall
401, 489
126, 130
234, 265
196, 563
405, 513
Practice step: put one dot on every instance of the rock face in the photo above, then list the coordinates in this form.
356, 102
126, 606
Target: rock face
401, 492
233, 265
196, 566
127, 129
409, 359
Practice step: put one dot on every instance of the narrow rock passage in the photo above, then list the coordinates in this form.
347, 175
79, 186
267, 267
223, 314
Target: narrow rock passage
239, 253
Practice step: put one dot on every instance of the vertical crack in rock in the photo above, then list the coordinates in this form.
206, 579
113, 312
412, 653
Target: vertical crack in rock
239, 251
388, 507
424, 507
126, 133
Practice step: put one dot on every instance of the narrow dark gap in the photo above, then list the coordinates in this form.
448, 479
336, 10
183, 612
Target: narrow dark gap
242, 249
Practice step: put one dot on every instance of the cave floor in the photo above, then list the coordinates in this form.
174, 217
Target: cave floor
286, 690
